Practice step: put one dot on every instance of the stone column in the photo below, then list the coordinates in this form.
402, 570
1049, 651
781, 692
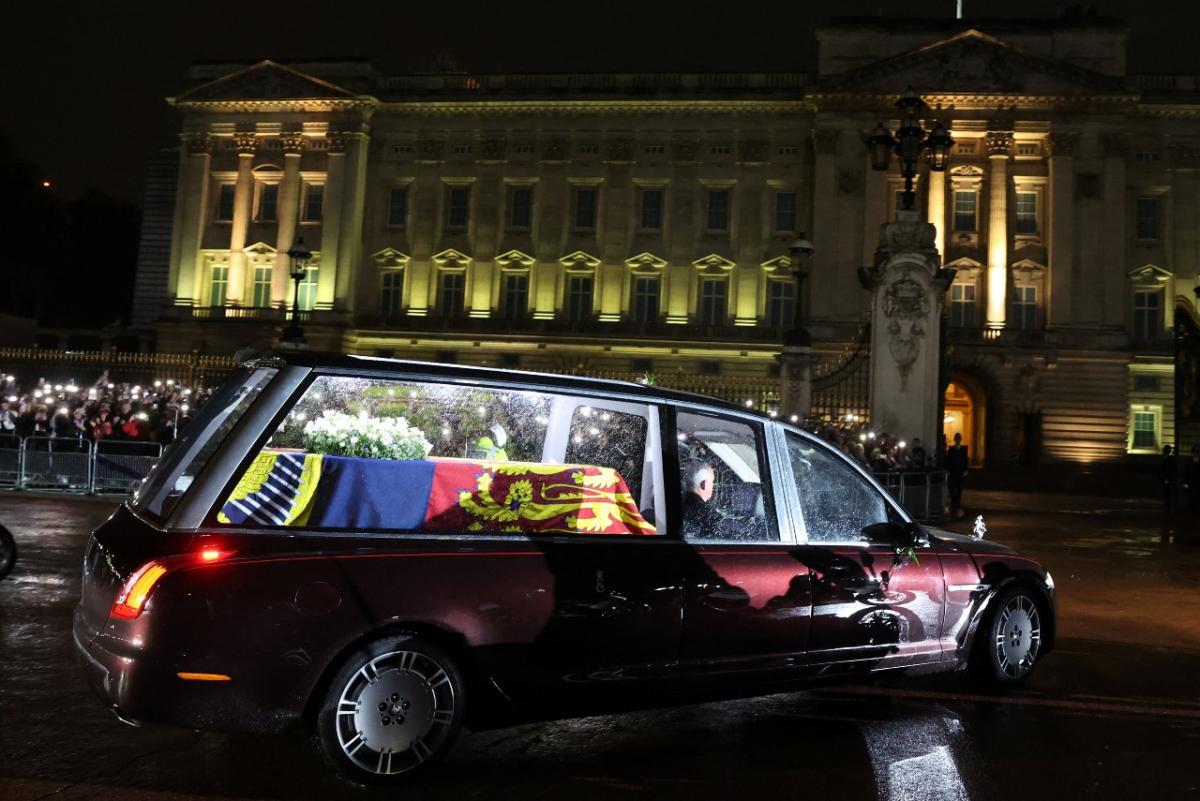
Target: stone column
288, 213
908, 293
748, 241
331, 220
795, 389
243, 196
354, 201
999, 149
1114, 267
192, 203
1061, 148
822, 282
937, 208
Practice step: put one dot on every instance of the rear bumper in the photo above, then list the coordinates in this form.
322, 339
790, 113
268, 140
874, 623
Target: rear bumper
140, 688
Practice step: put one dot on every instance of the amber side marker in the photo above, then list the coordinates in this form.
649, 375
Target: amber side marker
203, 676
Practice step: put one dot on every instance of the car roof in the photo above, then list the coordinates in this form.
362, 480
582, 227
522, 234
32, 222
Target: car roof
343, 361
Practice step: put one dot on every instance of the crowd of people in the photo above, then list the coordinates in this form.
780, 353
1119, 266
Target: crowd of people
878, 451
101, 411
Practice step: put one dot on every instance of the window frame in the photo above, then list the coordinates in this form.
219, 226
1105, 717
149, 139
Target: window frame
634, 296
400, 190
249, 438
790, 491
384, 289
773, 503
660, 211
723, 318
1138, 218
260, 201
722, 209
219, 203
512, 223
595, 207
795, 221
451, 191
954, 213
306, 201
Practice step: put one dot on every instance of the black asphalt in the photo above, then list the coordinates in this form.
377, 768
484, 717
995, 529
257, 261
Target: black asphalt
1113, 713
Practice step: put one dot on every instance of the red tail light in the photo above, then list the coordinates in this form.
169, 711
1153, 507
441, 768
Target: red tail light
136, 589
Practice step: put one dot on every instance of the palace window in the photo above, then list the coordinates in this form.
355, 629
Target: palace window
458, 206
964, 210
225, 203
645, 299
1024, 308
307, 297
718, 210
218, 283
261, 295
520, 207
1027, 148
524, 149
1145, 429
314, 198
962, 305
514, 295
654, 150
651, 210
268, 202
452, 294
579, 297
463, 150
714, 301
788, 150
1147, 315
585, 208
1027, 220
397, 213
587, 150
1146, 156
391, 295
781, 303
785, 212
719, 150
1147, 218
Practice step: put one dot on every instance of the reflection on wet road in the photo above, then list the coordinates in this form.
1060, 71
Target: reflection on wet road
1114, 713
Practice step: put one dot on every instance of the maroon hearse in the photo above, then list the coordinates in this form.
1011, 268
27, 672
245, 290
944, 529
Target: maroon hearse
386, 551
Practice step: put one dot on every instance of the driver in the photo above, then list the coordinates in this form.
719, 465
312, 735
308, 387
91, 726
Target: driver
701, 517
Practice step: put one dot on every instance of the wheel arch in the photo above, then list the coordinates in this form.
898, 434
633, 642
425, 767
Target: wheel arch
1022, 579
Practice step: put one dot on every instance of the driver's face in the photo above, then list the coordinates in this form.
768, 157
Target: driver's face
704, 487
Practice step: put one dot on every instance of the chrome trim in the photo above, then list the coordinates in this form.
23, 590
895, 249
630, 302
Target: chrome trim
967, 587
783, 489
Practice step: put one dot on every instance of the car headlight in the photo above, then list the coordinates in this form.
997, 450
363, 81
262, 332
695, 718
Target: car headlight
1049, 581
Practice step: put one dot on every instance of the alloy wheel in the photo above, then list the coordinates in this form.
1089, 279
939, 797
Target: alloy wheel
1017, 636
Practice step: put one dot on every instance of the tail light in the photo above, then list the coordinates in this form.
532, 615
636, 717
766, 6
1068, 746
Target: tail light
131, 600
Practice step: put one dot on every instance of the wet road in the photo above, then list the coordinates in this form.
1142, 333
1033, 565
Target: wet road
1113, 713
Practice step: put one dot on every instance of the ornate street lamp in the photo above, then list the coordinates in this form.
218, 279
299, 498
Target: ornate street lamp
299, 256
801, 251
909, 143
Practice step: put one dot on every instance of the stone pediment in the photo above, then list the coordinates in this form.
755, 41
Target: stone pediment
451, 259
972, 63
713, 263
265, 80
1149, 274
259, 249
778, 265
645, 263
391, 259
515, 259
579, 261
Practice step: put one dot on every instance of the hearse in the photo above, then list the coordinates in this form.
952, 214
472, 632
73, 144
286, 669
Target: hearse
386, 551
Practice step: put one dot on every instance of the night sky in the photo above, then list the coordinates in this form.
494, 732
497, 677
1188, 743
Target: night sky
85, 82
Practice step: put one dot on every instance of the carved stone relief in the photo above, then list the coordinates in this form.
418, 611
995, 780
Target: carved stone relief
291, 142
245, 142
998, 143
906, 307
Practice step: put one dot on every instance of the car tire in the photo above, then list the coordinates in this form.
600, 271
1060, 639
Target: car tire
392, 710
1009, 640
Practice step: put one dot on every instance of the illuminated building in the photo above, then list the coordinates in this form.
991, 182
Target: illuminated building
630, 223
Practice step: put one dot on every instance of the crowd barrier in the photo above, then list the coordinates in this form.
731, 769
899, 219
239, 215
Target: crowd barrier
75, 464
921, 493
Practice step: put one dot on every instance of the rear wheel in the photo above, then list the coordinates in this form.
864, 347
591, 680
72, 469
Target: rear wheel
1009, 640
393, 709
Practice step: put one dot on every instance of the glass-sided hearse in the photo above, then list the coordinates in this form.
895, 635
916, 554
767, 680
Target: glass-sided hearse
386, 550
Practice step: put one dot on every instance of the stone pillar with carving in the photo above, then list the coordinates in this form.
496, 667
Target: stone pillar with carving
243, 197
191, 210
908, 292
795, 385
999, 150
1061, 147
288, 212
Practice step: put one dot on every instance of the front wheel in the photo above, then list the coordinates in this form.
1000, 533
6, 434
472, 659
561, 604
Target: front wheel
393, 709
1009, 641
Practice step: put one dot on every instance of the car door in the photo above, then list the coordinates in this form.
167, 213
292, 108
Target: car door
872, 609
748, 598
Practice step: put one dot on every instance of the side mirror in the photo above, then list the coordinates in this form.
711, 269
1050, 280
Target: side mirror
898, 536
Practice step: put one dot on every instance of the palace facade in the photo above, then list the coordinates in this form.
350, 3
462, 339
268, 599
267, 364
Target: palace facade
633, 223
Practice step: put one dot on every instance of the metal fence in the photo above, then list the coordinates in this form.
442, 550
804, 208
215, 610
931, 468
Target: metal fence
922, 494
75, 464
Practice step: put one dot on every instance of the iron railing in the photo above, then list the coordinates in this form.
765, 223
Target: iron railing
74, 464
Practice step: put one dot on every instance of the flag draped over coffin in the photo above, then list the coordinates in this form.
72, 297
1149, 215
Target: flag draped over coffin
447, 495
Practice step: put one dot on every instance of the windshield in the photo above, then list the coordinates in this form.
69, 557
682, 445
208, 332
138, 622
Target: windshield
187, 455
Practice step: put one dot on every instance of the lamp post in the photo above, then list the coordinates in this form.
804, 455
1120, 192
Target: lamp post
801, 251
299, 256
909, 143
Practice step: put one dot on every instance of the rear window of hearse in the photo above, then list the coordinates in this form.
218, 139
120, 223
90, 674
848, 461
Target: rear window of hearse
382, 455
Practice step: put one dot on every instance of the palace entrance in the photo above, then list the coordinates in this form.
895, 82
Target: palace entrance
965, 410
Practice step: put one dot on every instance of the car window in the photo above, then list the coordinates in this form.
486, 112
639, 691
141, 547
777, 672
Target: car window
373, 454
721, 468
837, 502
